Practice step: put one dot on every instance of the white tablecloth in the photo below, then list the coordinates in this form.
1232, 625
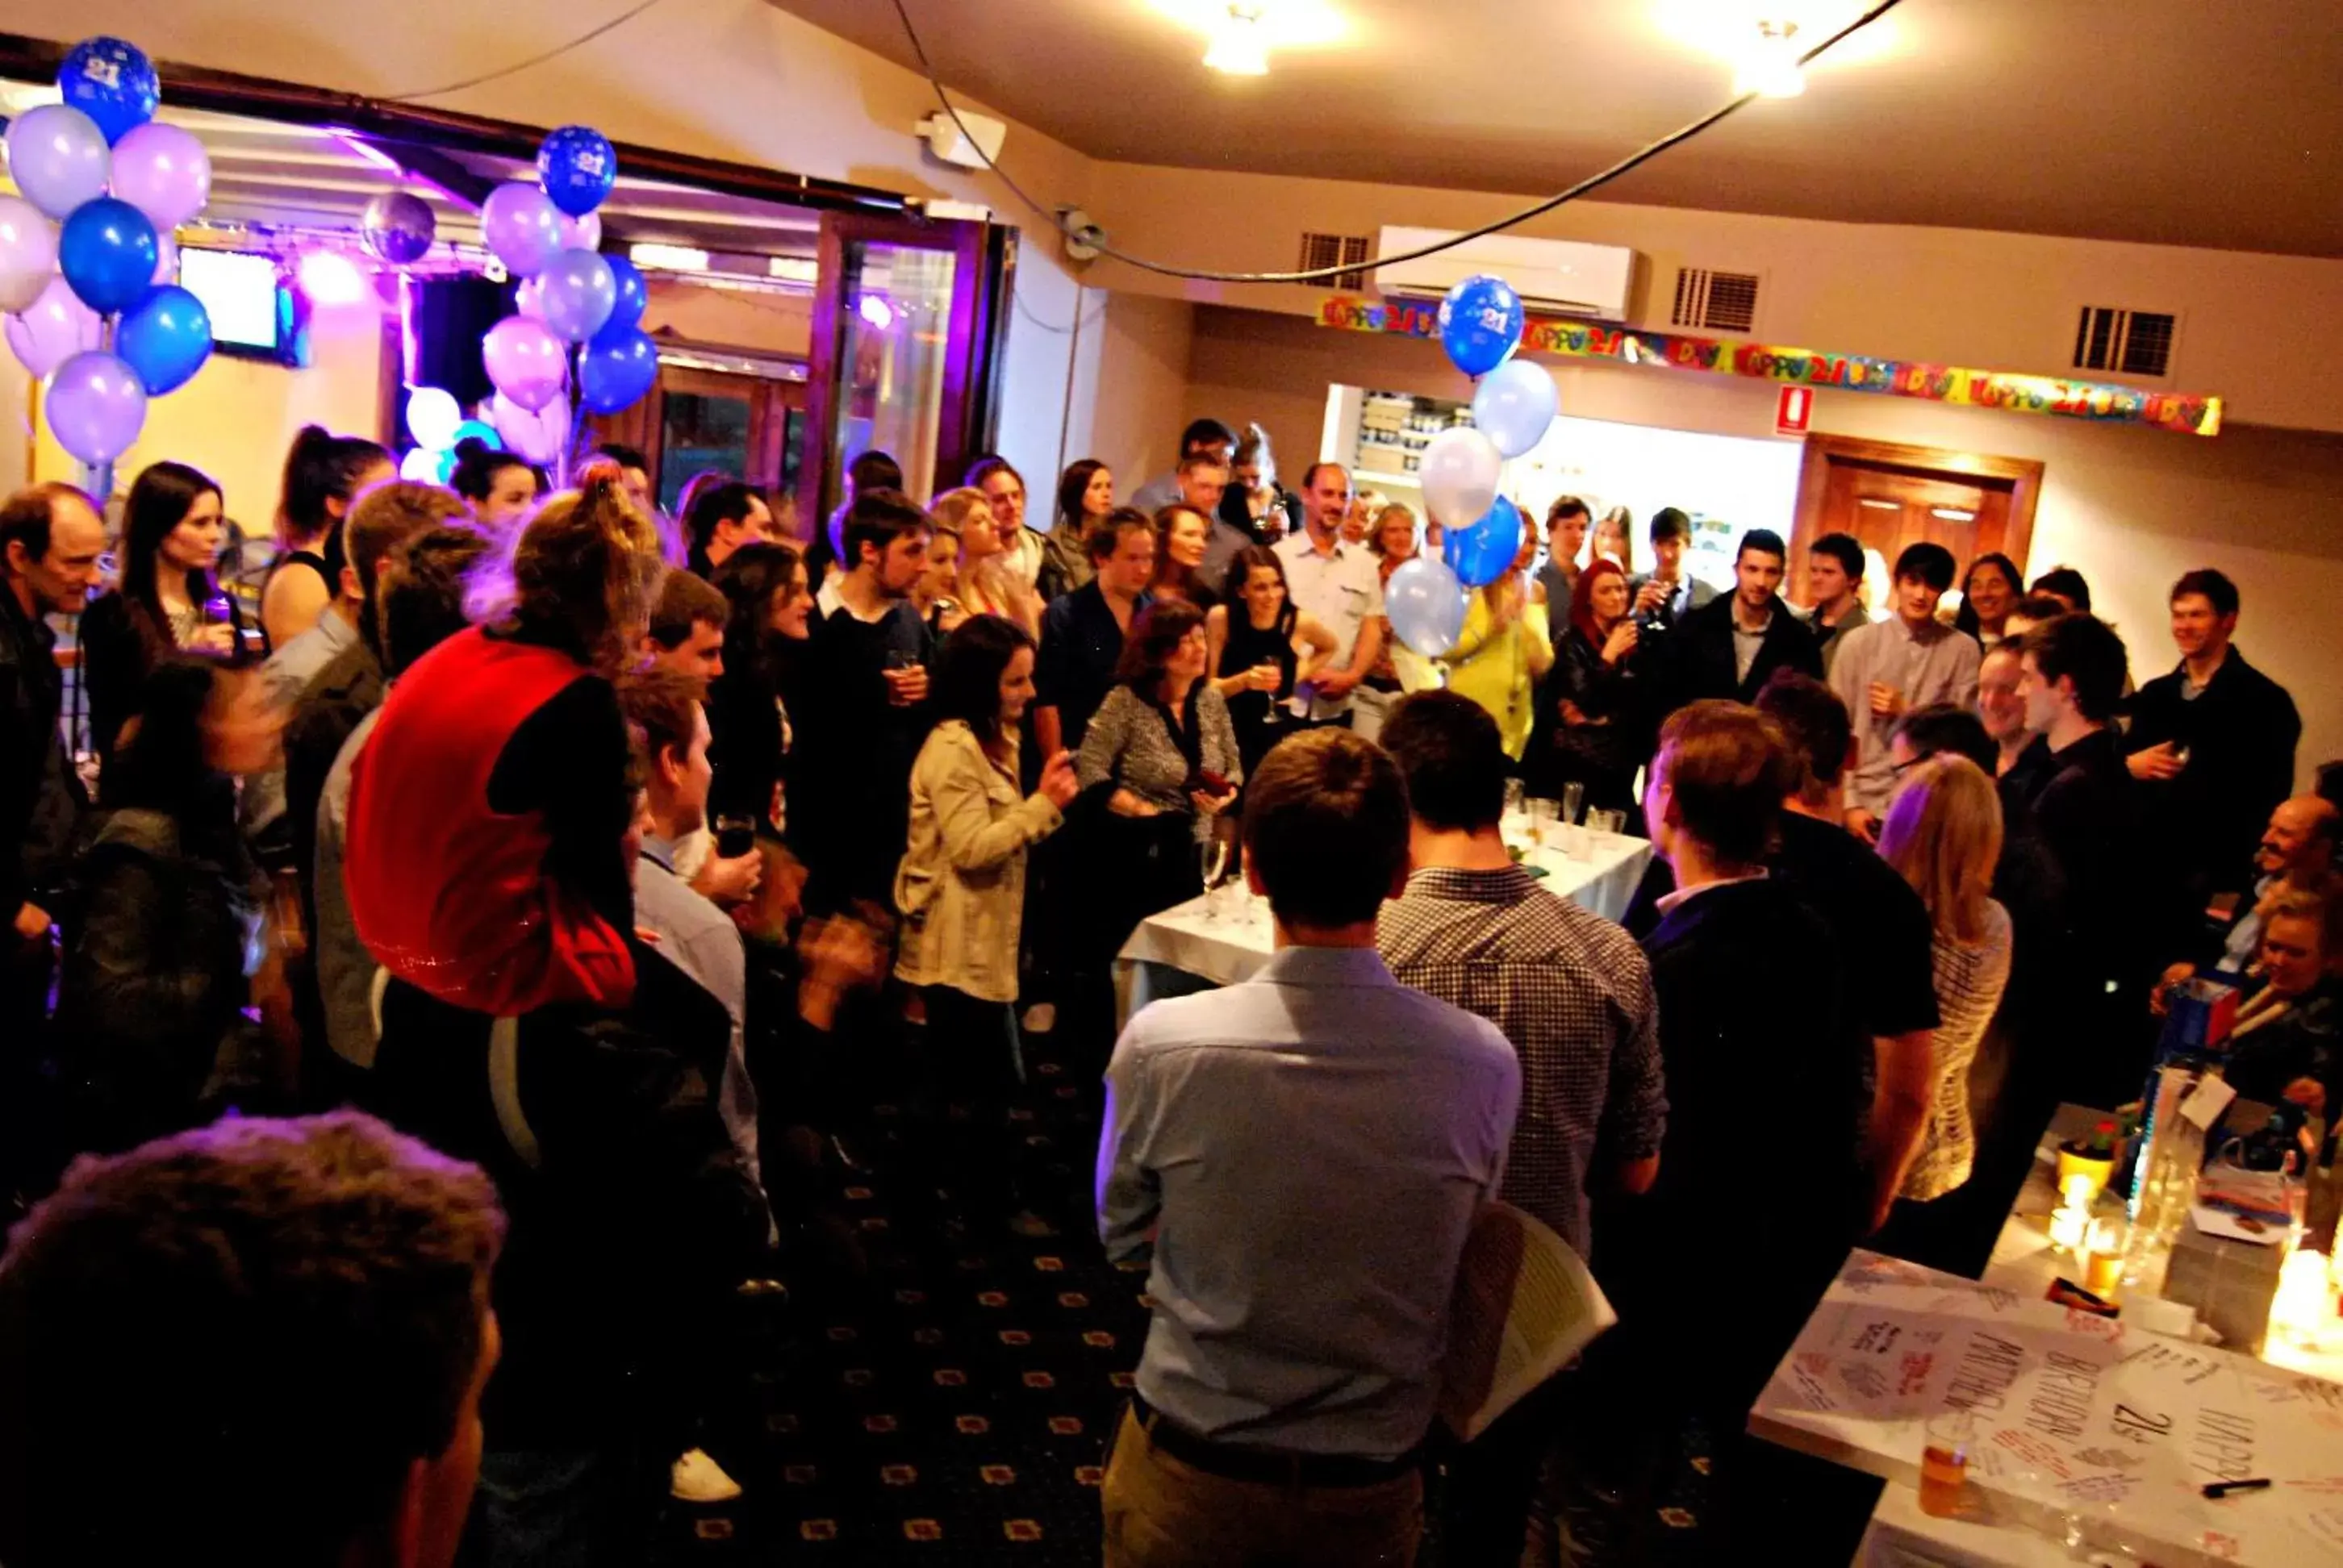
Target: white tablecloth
1185, 949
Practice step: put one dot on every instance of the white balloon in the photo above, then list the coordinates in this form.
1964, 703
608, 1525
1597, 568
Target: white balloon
432, 416
421, 464
1515, 404
28, 253
1459, 474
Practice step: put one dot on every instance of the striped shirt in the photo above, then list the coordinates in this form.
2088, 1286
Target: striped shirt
1572, 993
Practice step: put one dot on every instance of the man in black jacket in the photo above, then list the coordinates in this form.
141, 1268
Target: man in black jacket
1731, 646
2078, 802
2212, 742
50, 538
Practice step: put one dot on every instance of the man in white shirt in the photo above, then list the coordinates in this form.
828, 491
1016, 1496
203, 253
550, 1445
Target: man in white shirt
1339, 583
1884, 671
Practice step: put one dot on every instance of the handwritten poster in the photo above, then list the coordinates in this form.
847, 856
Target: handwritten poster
2078, 1421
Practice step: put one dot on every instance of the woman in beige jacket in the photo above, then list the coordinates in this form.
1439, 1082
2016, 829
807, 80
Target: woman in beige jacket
961, 885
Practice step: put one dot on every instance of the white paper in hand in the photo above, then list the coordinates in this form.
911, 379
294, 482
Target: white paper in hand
1524, 1306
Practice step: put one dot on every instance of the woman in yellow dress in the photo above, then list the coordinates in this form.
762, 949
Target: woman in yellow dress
1503, 651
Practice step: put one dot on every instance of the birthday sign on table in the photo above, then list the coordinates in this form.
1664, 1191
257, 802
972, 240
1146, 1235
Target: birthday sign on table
2189, 413
2076, 1417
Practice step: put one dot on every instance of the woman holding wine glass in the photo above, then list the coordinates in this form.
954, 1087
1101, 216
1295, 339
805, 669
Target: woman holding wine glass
1255, 640
1162, 751
1591, 718
168, 601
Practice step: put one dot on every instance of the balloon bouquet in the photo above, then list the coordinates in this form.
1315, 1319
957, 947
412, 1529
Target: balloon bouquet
92, 308
1480, 326
574, 304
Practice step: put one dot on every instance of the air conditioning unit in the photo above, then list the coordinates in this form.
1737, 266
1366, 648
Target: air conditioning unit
1558, 276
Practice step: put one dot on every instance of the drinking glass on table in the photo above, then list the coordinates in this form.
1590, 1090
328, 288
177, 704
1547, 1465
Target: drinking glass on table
1512, 797
1212, 857
1574, 801
1541, 820
1944, 1461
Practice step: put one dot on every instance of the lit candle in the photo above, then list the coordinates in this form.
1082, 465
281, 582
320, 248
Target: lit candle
2068, 1226
2302, 1308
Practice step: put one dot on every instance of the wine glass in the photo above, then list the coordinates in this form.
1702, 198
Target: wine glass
1212, 857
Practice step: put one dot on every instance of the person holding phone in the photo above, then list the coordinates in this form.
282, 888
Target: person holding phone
1162, 751
961, 890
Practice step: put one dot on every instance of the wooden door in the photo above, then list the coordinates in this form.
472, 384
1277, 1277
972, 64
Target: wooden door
1891, 497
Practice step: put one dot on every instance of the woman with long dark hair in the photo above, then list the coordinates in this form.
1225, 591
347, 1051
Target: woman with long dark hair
150, 1020
485, 862
1989, 593
503, 488
1253, 641
1161, 752
960, 889
1181, 532
323, 474
1591, 722
1085, 499
168, 601
748, 704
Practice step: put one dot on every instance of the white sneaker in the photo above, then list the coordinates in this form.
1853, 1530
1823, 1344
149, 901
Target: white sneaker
695, 1477
1040, 1018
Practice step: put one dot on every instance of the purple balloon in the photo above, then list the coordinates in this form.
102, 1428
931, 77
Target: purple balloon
522, 225
581, 233
525, 360
57, 328
95, 405
28, 253
164, 172
538, 435
577, 291
57, 156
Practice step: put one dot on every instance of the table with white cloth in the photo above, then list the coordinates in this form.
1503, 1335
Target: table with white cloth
2088, 1427
1201, 944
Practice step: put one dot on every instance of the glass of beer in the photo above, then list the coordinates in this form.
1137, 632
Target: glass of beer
1945, 1462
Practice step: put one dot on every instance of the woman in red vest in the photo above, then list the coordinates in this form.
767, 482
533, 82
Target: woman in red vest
484, 864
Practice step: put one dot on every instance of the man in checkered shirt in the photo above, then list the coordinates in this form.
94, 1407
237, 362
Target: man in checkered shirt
1573, 994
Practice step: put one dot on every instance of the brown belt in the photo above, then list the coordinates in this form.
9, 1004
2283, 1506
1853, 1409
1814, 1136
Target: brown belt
1268, 1466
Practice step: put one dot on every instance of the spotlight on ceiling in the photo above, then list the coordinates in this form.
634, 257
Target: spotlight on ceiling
1239, 47
1769, 65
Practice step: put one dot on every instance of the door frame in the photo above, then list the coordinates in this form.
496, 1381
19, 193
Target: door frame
2023, 475
969, 410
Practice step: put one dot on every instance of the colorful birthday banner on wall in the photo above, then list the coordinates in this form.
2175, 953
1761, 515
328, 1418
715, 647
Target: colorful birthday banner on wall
2193, 414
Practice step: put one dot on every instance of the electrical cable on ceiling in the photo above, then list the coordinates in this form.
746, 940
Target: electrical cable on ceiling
1326, 273
555, 53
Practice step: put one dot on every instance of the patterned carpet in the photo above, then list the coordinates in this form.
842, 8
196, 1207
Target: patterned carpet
952, 1405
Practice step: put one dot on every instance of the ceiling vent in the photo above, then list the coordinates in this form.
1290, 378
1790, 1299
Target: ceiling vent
1717, 301
1347, 250
2124, 342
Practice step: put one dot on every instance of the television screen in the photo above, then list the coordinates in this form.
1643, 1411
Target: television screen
239, 290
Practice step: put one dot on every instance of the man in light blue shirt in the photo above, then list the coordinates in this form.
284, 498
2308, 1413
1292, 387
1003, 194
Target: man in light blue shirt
1301, 1156
1203, 439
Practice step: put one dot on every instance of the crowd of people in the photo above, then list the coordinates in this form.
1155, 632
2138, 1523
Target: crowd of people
586, 846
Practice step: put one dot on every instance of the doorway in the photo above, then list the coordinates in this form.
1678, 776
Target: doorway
1890, 497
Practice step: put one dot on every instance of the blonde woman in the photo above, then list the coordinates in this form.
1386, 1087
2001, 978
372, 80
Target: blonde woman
1504, 651
1942, 835
988, 580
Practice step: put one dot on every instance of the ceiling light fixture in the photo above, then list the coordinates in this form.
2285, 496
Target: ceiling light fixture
1769, 65
1239, 48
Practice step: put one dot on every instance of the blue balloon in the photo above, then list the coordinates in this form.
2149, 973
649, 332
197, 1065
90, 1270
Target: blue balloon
109, 254
1484, 551
480, 431
616, 369
633, 297
1425, 605
166, 340
577, 167
112, 82
1480, 323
